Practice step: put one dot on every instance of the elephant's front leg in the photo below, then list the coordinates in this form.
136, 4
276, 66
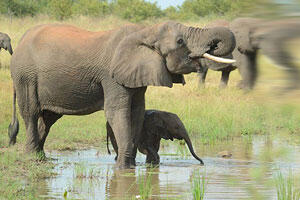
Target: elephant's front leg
137, 116
247, 69
152, 156
202, 77
120, 110
120, 121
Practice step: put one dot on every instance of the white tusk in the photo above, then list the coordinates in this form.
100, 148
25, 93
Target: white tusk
218, 59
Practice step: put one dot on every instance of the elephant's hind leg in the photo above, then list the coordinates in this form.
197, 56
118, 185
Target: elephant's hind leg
29, 109
46, 120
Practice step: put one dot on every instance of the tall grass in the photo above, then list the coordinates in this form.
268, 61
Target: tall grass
144, 182
287, 187
199, 186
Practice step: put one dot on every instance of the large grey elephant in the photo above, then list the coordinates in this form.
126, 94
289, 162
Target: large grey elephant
5, 43
157, 125
252, 35
63, 70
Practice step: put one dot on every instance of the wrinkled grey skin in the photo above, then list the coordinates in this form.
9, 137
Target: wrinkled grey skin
5, 43
208, 64
252, 35
63, 70
157, 125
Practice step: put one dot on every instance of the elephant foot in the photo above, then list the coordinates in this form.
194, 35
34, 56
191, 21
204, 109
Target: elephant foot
125, 163
222, 86
38, 155
244, 86
153, 162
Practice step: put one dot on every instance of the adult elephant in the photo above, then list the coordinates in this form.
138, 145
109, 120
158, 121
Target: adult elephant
5, 43
63, 70
252, 35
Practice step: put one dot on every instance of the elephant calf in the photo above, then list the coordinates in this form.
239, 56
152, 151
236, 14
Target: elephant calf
5, 43
157, 125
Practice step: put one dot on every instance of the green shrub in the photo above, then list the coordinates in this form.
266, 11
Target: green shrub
61, 9
91, 7
136, 10
19, 8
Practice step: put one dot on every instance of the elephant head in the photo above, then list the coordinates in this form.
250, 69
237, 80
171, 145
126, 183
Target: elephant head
166, 125
5, 43
243, 29
160, 54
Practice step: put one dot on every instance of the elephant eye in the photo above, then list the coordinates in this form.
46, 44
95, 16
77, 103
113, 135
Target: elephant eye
180, 41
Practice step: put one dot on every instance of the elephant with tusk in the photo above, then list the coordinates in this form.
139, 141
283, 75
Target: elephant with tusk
64, 70
269, 36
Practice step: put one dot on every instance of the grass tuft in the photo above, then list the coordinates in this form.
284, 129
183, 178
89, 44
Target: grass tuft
286, 187
199, 186
144, 182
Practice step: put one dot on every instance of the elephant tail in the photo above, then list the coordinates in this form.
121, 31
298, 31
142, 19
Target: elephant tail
107, 143
13, 128
189, 143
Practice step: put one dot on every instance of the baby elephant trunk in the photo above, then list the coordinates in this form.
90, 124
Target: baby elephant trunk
190, 146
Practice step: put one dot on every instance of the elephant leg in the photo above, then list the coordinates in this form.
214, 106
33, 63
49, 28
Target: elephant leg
120, 122
202, 77
224, 79
248, 70
46, 120
137, 116
29, 110
152, 157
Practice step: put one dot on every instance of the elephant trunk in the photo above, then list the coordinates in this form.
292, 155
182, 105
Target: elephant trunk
9, 48
190, 146
218, 41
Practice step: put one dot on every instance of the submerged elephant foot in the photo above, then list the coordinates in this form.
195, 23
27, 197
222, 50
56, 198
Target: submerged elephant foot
125, 163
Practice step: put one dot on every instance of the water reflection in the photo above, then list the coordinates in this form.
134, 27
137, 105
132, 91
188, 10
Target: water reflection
246, 175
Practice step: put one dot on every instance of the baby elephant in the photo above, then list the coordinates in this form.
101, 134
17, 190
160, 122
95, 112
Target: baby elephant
157, 125
5, 43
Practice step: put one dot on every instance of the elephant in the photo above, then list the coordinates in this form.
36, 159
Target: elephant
251, 35
61, 70
5, 43
157, 125
206, 64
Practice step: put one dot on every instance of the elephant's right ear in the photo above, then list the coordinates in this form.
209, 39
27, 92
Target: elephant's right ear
136, 62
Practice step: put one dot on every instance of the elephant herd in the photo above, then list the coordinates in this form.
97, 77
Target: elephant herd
64, 70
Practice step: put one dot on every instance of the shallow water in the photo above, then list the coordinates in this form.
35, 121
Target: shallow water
90, 174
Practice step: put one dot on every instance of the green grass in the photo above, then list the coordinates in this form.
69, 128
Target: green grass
21, 176
287, 187
144, 183
82, 171
199, 186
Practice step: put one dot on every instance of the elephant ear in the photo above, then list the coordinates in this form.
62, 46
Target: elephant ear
136, 63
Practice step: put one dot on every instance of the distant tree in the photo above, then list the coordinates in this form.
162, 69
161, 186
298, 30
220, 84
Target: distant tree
19, 8
61, 9
91, 7
136, 10
172, 13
